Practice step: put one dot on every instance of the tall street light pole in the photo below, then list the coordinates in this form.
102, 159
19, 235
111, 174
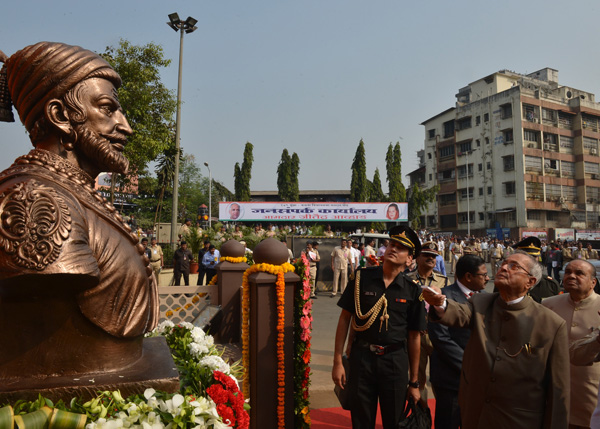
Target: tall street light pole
187, 26
209, 195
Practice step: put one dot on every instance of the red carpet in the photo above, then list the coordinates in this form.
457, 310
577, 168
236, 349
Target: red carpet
329, 418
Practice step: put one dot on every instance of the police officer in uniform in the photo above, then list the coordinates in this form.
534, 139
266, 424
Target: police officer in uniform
424, 275
547, 286
386, 315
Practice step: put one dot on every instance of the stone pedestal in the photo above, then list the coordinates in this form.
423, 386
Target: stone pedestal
154, 369
230, 284
263, 339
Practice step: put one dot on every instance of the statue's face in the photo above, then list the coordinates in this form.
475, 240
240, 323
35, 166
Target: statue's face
103, 136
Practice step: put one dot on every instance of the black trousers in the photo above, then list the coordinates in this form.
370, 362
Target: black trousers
374, 379
210, 273
447, 412
201, 274
178, 274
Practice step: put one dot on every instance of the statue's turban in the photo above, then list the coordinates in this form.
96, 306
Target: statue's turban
47, 70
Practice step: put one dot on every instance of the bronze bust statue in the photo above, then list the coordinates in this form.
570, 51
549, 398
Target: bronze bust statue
77, 292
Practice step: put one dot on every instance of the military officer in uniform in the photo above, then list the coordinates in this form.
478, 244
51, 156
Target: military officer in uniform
424, 275
386, 315
547, 286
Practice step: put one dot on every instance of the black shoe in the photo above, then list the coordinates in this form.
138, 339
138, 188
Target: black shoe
314, 297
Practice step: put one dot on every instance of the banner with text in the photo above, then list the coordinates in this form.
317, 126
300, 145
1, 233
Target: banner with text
316, 212
587, 234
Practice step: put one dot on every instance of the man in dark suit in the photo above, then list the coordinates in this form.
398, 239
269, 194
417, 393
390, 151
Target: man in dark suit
449, 343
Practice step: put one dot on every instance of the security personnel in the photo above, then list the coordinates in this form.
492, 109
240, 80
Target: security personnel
383, 306
547, 286
470, 249
425, 276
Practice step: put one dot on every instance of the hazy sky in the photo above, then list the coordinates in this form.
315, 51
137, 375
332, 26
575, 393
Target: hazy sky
316, 76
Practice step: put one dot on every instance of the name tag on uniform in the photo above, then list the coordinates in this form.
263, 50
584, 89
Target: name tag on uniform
370, 293
400, 300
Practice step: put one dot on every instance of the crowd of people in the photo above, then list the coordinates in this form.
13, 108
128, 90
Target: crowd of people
524, 356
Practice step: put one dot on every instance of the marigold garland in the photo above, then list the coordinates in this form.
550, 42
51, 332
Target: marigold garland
279, 271
234, 260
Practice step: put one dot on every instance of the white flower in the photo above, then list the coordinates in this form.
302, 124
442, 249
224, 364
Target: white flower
149, 393
178, 400
216, 363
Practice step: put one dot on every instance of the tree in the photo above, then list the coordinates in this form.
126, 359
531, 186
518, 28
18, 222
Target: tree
417, 201
242, 175
358, 185
295, 173
287, 177
376, 194
148, 105
393, 162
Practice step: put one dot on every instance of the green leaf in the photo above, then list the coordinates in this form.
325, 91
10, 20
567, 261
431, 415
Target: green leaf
39, 419
66, 420
7, 417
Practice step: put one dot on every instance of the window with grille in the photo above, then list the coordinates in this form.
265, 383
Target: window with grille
590, 122
506, 111
591, 168
463, 123
548, 116
566, 144
590, 145
464, 147
448, 129
509, 188
531, 136
592, 194
534, 215
509, 162
569, 193
447, 199
463, 193
567, 169
529, 113
535, 191
552, 192
533, 164
462, 170
447, 151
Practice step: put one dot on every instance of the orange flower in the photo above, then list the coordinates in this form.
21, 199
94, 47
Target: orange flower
279, 271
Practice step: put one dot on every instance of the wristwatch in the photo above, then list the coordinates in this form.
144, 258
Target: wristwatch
414, 384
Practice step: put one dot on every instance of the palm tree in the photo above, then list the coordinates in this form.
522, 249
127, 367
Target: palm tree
165, 172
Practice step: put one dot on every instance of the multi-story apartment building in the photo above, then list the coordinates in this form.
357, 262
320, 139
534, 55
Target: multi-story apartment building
517, 151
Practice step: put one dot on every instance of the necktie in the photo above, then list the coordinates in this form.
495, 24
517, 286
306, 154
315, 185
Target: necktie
470, 294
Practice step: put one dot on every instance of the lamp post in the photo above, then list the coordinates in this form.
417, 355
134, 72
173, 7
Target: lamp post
209, 195
187, 26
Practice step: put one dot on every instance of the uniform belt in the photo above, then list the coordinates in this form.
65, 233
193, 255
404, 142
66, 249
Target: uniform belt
380, 350
156, 260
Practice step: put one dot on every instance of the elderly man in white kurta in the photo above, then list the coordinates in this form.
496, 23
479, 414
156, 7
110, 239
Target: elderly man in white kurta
579, 308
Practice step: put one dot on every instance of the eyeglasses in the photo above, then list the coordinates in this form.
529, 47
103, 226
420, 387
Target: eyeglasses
513, 266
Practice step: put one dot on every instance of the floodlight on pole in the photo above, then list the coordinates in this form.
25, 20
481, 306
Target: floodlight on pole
209, 195
187, 26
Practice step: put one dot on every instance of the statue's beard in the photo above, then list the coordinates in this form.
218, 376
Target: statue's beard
99, 150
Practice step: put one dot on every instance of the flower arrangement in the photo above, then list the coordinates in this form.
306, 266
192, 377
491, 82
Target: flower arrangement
302, 337
279, 271
209, 395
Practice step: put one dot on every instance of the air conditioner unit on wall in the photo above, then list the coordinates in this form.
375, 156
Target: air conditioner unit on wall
546, 146
593, 152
